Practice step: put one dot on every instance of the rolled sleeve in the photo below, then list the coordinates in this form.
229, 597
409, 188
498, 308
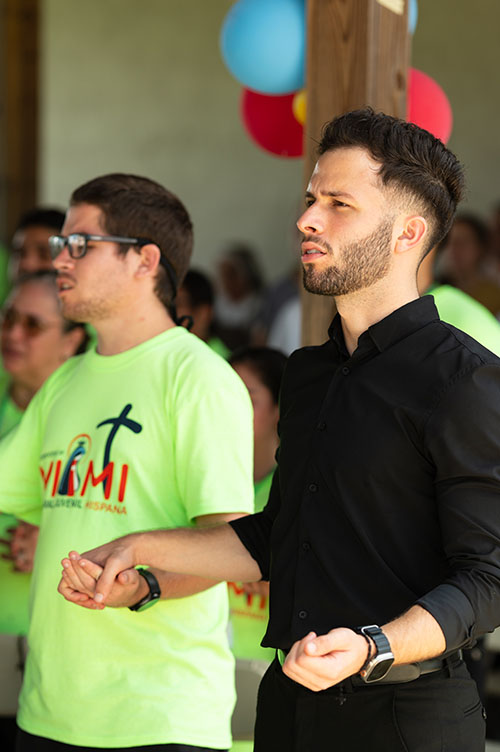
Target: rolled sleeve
255, 531
463, 437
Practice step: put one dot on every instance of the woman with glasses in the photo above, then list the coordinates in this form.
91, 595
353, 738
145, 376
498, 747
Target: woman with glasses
34, 340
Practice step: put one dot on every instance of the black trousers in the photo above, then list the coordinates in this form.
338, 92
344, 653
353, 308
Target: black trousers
29, 743
439, 712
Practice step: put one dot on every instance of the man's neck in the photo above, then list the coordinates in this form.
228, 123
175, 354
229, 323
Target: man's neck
130, 328
360, 310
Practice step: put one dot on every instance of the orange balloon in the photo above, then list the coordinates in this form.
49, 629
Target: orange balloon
299, 106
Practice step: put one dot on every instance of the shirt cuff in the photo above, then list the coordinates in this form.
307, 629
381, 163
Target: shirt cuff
453, 612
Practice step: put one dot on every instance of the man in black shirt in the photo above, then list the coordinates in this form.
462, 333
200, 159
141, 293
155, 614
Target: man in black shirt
383, 510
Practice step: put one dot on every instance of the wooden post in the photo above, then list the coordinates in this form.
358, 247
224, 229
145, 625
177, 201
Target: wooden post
357, 55
18, 110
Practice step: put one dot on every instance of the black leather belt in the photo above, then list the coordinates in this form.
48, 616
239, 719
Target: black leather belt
400, 674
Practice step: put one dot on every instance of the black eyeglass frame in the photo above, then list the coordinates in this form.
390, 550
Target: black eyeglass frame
56, 246
57, 243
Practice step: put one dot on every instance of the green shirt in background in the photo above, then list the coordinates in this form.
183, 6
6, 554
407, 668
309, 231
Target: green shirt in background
249, 614
460, 310
14, 586
150, 438
218, 346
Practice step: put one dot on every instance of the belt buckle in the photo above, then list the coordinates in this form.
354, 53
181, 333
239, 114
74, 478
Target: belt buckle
400, 674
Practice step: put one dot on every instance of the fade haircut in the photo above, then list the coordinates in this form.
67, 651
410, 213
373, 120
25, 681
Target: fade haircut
414, 164
137, 207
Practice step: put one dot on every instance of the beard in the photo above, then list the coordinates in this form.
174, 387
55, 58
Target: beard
84, 311
361, 263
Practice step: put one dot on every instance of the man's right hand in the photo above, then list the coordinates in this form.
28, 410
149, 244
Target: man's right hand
114, 557
80, 577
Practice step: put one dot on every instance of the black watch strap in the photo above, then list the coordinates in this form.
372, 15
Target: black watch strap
154, 591
380, 661
374, 632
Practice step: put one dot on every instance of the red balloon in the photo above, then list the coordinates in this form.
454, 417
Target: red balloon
270, 122
428, 105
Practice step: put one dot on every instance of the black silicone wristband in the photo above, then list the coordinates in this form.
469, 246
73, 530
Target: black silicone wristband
154, 591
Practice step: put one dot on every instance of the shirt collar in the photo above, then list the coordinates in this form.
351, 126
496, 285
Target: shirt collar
398, 325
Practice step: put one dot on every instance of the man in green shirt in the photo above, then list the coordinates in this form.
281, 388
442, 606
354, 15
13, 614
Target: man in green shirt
459, 309
149, 430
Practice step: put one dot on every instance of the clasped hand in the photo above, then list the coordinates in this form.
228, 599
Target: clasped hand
319, 662
79, 581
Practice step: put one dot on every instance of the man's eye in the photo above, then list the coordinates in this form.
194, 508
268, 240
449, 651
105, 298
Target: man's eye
340, 204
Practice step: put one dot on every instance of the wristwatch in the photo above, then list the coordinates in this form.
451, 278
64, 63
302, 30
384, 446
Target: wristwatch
154, 591
377, 665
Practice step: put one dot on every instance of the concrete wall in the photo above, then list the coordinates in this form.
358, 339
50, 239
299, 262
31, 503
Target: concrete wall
456, 42
141, 87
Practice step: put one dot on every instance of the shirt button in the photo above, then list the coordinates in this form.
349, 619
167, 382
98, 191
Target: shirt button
306, 546
346, 371
313, 487
321, 426
302, 614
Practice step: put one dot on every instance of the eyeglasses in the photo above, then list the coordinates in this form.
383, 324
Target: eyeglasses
77, 248
77, 243
32, 325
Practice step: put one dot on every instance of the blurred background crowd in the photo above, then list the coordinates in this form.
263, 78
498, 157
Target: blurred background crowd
244, 292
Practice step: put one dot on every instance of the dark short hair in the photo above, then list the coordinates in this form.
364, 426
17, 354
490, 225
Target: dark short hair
48, 278
411, 159
199, 288
41, 216
134, 206
268, 364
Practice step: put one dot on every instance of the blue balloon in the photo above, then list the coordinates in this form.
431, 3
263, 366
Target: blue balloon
412, 16
263, 44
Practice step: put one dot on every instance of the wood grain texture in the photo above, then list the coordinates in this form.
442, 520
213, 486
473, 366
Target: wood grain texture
18, 110
357, 55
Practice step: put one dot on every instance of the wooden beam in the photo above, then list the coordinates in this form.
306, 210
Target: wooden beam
18, 110
357, 55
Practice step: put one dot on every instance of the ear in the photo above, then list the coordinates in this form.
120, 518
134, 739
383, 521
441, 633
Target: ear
149, 260
410, 232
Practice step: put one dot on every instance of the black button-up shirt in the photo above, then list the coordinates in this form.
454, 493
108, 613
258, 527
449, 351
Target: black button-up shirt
387, 492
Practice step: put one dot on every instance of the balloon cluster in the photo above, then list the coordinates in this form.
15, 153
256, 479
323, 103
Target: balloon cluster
263, 45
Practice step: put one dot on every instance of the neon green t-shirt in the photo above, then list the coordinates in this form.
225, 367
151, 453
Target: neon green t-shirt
218, 346
460, 310
14, 586
249, 614
150, 438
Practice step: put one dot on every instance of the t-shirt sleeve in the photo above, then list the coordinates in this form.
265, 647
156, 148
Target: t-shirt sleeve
463, 439
214, 442
19, 466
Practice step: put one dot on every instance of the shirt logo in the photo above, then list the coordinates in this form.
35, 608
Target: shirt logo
72, 478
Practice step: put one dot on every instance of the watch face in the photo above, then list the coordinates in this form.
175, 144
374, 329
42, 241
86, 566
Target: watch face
380, 668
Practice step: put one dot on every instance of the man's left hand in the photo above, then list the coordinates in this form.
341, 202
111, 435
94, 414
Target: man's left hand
320, 662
